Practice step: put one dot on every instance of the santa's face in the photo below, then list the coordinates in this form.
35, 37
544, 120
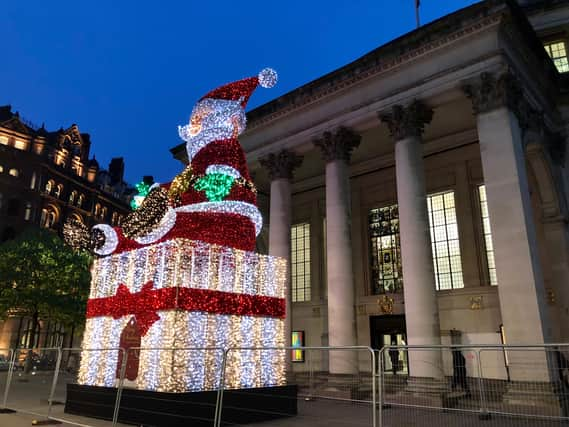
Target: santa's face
212, 119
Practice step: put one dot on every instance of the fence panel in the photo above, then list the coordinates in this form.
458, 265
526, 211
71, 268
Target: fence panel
482, 385
334, 387
32, 380
186, 381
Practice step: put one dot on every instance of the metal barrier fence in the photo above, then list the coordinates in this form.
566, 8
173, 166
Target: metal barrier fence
461, 385
337, 386
344, 397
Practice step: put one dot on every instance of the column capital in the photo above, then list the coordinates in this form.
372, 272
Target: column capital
409, 121
338, 145
281, 164
489, 92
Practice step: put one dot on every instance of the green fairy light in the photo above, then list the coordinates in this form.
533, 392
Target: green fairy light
216, 186
143, 189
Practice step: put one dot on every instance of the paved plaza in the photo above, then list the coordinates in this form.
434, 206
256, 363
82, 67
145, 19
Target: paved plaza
30, 393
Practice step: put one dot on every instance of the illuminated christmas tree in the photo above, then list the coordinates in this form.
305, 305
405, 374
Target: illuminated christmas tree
180, 272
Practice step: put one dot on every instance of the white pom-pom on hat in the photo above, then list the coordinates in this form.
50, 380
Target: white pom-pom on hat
268, 77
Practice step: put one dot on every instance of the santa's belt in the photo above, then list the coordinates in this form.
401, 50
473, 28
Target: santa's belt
145, 304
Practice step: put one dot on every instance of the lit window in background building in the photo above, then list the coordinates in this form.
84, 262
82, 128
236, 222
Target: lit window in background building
444, 240
19, 144
300, 262
3, 140
487, 235
28, 211
386, 268
297, 340
558, 54
14, 172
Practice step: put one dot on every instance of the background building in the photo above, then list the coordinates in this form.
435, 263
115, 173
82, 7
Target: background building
431, 201
45, 179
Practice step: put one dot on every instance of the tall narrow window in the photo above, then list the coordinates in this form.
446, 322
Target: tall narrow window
49, 186
33, 181
444, 240
558, 54
487, 235
386, 267
28, 211
300, 262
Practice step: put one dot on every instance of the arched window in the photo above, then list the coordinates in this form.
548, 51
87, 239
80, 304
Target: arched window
115, 218
103, 213
49, 217
97, 210
14, 172
28, 211
58, 190
76, 217
13, 207
72, 197
49, 186
80, 200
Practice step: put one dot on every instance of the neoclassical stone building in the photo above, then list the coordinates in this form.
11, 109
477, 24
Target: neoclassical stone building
420, 192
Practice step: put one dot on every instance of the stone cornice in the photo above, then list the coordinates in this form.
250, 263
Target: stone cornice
419, 43
338, 145
281, 164
405, 122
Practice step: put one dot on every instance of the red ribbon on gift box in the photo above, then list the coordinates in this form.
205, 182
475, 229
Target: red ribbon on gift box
145, 304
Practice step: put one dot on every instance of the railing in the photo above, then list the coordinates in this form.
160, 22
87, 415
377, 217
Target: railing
396, 386
452, 384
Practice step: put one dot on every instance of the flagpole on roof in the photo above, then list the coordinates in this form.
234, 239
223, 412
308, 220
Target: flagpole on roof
417, 4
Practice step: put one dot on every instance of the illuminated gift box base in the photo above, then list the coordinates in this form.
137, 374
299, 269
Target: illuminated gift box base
185, 294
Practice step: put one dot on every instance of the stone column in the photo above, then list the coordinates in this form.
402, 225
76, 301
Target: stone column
280, 167
497, 102
336, 150
406, 126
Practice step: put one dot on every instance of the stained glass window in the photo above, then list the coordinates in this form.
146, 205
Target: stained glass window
386, 269
558, 54
297, 341
444, 241
300, 262
487, 235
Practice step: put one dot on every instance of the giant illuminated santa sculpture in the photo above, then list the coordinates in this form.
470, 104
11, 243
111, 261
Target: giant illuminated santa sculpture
180, 271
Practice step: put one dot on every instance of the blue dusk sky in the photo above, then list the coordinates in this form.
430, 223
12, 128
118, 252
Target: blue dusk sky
129, 72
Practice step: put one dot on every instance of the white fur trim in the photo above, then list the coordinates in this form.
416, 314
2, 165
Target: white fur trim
168, 221
111, 239
228, 206
223, 169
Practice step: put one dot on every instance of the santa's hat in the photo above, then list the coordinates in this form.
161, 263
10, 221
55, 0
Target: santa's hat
242, 90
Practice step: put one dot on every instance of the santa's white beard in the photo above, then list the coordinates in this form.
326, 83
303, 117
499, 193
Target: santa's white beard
206, 136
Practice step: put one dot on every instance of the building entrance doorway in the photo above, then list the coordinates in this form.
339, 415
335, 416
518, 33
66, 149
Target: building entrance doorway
390, 330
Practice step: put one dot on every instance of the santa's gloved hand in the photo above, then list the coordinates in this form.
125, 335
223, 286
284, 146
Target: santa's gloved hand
216, 186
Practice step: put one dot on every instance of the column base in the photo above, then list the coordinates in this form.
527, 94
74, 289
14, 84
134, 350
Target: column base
536, 398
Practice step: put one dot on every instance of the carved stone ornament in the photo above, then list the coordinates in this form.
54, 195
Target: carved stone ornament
386, 304
476, 303
338, 145
281, 164
489, 92
405, 122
